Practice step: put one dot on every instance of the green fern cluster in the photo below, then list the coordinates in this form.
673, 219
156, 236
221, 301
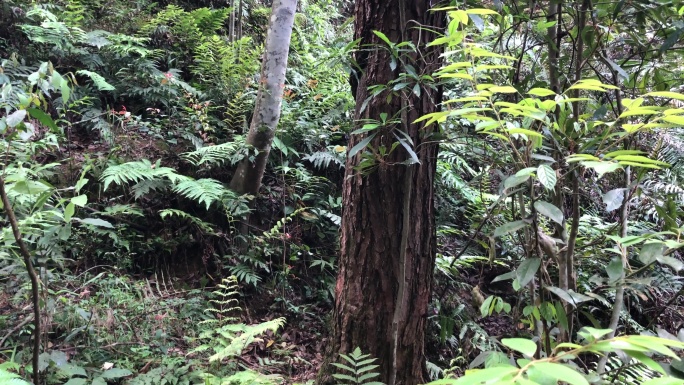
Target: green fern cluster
224, 335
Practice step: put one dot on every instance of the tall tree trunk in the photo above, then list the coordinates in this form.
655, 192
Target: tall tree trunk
247, 178
388, 223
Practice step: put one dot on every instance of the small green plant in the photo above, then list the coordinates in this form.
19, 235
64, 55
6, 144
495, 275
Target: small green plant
560, 366
9, 378
223, 335
359, 370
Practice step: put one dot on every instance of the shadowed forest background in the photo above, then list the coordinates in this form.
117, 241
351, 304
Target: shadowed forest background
476, 192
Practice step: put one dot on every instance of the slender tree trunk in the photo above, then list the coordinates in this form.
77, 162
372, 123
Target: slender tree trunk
247, 178
33, 276
388, 229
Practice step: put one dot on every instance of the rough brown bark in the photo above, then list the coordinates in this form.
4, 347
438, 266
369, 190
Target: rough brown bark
388, 230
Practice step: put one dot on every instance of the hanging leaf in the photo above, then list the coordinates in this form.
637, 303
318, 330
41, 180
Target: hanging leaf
569, 296
361, 145
527, 269
15, 118
515, 180
541, 92
509, 228
546, 176
550, 211
650, 251
613, 199
96, 222
614, 270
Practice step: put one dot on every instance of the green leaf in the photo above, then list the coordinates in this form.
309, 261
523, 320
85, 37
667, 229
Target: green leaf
43, 118
541, 92
98, 80
561, 373
69, 211
614, 270
527, 269
488, 376
515, 180
504, 277
525, 132
601, 168
15, 118
569, 296
521, 345
546, 176
666, 94
663, 381
509, 228
549, 210
383, 37
674, 263
361, 145
650, 252
97, 222
80, 200
613, 199
503, 90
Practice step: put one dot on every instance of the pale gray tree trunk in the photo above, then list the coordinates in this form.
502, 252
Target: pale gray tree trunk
247, 178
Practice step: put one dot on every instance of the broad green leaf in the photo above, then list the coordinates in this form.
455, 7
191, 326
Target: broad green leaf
674, 263
675, 119
524, 131
361, 145
80, 200
503, 90
97, 222
650, 251
550, 211
561, 373
69, 211
666, 94
15, 118
383, 37
487, 376
593, 332
515, 180
613, 199
509, 228
640, 159
481, 11
623, 152
527, 269
637, 112
521, 345
581, 157
614, 270
602, 168
526, 171
569, 296
504, 277
541, 92
43, 118
546, 176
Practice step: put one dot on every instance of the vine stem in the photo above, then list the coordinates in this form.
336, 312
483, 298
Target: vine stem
32, 275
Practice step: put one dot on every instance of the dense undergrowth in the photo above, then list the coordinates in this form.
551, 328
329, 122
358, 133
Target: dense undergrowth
134, 114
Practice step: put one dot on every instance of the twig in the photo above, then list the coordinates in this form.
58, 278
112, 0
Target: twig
20, 325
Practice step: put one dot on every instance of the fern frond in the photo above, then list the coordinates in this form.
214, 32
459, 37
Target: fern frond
219, 154
204, 226
133, 172
205, 191
9, 378
240, 336
323, 159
